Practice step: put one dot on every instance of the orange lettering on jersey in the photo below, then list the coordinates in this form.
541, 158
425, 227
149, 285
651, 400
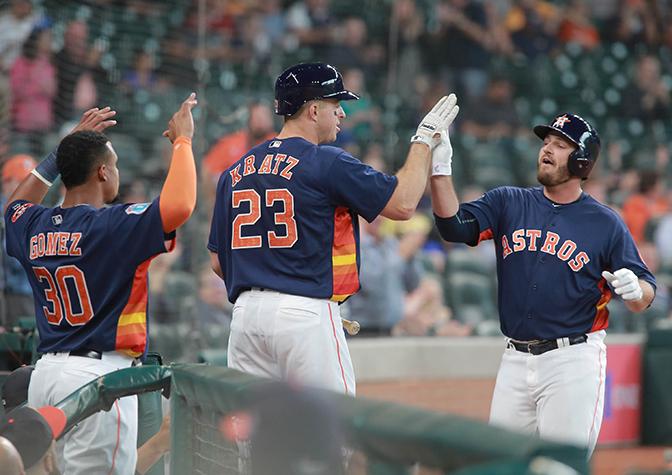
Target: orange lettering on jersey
74, 244
566, 250
63, 239
40, 245
579, 261
249, 165
235, 175
52, 242
533, 235
291, 163
518, 238
265, 167
280, 157
506, 249
550, 243
33, 247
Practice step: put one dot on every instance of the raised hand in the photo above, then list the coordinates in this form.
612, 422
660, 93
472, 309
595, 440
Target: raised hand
182, 122
96, 119
438, 119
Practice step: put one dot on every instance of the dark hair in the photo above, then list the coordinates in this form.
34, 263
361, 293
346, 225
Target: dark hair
29, 49
79, 154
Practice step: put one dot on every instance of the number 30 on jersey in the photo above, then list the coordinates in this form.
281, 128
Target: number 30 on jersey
281, 218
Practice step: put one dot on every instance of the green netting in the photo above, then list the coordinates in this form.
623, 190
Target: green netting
393, 438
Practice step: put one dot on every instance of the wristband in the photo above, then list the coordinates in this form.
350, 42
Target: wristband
47, 170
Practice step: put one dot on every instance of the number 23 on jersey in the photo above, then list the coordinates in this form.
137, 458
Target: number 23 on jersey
284, 218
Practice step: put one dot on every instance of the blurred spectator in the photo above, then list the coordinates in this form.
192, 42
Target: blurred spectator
649, 203
159, 302
231, 147
634, 23
10, 459
75, 67
310, 23
533, 26
492, 116
363, 115
15, 26
213, 306
386, 276
33, 82
462, 45
142, 76
17, 295
353, 48
577, 27
407, 27
648, 98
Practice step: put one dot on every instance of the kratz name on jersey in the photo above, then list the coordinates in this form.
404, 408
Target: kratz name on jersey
533, 240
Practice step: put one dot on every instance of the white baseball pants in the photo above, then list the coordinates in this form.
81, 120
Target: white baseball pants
559, 394
292, 338
102, 444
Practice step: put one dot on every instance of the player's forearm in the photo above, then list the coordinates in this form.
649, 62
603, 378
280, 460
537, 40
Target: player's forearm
642, 304
412, 180
178, 195
36, 185
444, 199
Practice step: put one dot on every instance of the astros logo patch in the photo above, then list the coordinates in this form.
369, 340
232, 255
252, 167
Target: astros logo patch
137, 208
19, 210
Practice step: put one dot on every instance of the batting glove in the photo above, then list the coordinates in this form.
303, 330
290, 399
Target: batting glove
438, 119
625, 284
442, 156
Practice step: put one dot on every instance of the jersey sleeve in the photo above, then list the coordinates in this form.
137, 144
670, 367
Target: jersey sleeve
18, 216
487, 210
624, 254
357, 186
137, 230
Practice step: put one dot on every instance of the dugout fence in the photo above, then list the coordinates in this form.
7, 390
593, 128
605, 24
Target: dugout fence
382, 438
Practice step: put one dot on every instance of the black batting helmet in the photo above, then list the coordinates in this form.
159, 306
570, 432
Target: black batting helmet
307, 81
578, 131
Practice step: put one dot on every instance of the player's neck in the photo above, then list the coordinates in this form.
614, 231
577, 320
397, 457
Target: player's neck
295, 129
83, 195
564, 193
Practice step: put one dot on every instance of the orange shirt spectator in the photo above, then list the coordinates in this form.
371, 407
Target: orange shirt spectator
231, 148
649, 203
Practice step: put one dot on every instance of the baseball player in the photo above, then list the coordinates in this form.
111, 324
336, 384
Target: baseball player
285, 236
87, 265
559, 255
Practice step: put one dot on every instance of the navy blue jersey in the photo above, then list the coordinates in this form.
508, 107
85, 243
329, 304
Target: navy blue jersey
550, 259
285, 218
88, 271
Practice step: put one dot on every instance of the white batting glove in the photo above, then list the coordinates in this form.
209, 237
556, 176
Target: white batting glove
625, 283
438, 119
442, 156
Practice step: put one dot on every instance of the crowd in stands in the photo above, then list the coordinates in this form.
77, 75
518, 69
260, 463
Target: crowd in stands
513, 64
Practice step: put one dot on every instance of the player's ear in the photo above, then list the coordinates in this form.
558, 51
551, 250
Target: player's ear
102, 172
313, 108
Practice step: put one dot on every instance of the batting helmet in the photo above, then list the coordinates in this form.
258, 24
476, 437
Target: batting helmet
307, 81
578, 131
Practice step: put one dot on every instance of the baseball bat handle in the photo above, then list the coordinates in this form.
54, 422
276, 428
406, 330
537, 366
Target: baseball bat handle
351, 326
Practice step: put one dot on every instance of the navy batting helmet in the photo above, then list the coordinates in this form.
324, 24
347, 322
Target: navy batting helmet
307, 81
578, 131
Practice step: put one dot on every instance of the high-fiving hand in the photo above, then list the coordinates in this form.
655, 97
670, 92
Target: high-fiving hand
182, 122
437, 120
625, 283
